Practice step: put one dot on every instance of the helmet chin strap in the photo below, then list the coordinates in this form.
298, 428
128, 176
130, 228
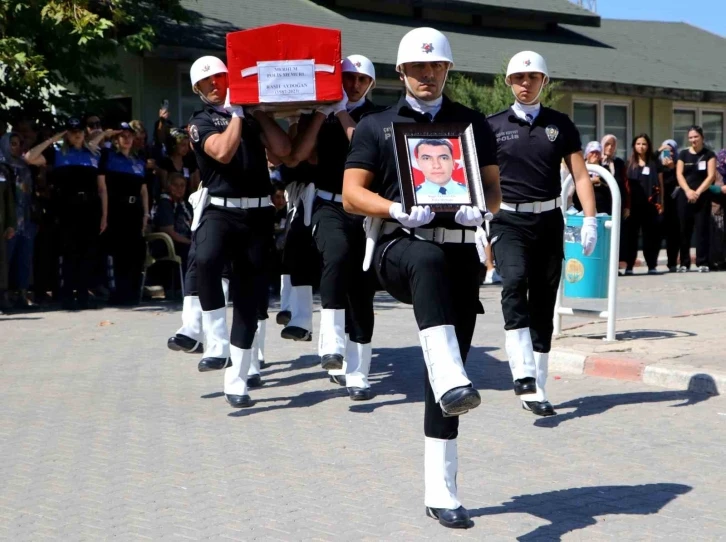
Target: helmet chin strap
350, 106
426, 106
536, 98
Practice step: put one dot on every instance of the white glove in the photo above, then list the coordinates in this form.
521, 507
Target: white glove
292, 193
419, 216
235, 110
468, 216
481, 242
307, 196
340, 106
588, 235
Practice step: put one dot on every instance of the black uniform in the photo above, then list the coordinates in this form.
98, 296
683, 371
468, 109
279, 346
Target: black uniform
75, 179
339, 236
695, 215
440, 280
528, 247
239, 236
125, 176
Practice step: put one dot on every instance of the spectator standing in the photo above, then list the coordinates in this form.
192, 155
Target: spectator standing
603, 197
671, 223
616, 165
174, 216
695, 171
20, 247
177, 162
82, 207
7, 227
646, 200
128, 213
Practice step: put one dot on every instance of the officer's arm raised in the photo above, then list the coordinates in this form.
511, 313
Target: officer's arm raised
358, 199
576, 164
222, 147
492, 190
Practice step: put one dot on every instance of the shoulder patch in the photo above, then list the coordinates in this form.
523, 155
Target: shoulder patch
194, 133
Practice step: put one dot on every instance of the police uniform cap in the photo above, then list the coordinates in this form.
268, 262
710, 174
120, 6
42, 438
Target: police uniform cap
74, 124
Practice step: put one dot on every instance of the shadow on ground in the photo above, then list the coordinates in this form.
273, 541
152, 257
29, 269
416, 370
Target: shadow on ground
573, 509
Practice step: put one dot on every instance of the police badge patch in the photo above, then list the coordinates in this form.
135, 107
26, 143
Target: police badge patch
194, 133
552, 132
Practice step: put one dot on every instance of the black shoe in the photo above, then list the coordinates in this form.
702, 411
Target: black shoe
459, 401
453, 519
525, 386
87, 304
331, 361
283, 318
238, 401
263, 364
254, 381
213, 364
182, 343
338, 379
540, 408
297, 334
360, 394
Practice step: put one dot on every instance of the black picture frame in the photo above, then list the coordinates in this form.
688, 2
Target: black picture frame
410, 140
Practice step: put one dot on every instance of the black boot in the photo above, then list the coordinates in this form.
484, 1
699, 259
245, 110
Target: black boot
297, 334
331, 361
338, 379
254, 381
453, 519
238, 401
459, 400
213, 364
283, 317
540, 408
525, 386
360, 394
182, 343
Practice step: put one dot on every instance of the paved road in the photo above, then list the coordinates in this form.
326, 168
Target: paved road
106, 434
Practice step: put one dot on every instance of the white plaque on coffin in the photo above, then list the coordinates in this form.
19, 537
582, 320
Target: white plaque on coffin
282, 81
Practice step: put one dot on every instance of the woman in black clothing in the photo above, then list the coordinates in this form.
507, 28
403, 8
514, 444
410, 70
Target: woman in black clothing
617, 168
128, 213
646, 204
695, 171
671, 223
179, 161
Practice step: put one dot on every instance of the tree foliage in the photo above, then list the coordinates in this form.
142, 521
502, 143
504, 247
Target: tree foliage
497, 96
54, 53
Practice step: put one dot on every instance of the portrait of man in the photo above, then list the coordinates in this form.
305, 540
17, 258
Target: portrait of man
436, 160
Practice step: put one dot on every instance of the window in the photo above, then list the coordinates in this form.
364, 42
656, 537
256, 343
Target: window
712, 123
596, 119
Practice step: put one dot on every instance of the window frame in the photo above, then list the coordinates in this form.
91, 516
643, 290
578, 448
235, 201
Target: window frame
698, 115
600, 115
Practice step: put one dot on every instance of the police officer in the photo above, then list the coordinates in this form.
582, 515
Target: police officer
346, 292
128, 212
424, 259
237, 217
82, 209
527, 235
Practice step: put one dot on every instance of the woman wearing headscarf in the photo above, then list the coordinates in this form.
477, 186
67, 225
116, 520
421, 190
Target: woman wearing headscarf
671, 223
20, 247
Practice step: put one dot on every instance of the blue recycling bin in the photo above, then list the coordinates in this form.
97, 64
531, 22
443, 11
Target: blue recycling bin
586, 276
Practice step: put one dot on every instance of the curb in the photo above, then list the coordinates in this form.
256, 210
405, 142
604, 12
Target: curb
637, 370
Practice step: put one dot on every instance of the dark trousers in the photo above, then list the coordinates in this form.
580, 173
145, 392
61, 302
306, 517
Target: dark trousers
300, 256
241, 238
671, 228
341, 242
127, 247
442, 284
79, 226
529, 249
643, 217
695, 216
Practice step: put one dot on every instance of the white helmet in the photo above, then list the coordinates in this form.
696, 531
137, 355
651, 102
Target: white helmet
204, 67
424, 45
359, 64
527, 62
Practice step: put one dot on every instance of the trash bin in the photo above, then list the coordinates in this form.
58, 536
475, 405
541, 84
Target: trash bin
586, 276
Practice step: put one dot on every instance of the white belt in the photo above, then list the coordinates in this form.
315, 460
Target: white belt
241, 203
535, 207
324, 194
435, 235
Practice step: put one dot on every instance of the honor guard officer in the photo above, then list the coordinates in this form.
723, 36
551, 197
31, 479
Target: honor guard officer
426, 260
237, 218
527, 235
346, 292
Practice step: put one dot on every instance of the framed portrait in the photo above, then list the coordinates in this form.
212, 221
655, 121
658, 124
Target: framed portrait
437, 166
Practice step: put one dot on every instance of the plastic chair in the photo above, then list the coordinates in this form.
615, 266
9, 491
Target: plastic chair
170, 256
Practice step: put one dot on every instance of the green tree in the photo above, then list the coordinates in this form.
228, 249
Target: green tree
54, 53
497, 96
